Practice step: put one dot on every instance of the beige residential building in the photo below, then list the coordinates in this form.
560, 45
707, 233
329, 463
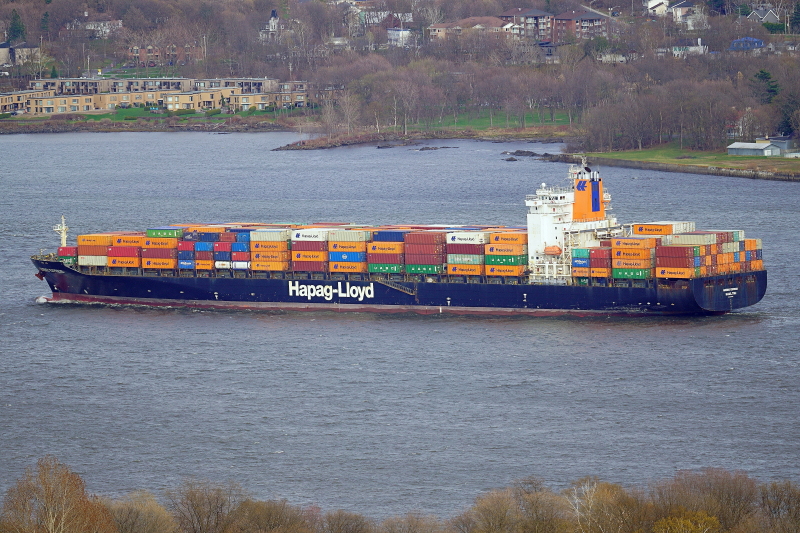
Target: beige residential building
20, 100
200, 100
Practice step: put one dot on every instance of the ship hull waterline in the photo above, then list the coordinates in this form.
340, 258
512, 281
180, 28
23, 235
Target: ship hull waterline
712, 295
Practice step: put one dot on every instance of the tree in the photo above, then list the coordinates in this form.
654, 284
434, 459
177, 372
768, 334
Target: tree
52, 499
16, 28
689, 523
271, 517
794, 21
139, 512
765, 87
205, 507
53, 72
343, 522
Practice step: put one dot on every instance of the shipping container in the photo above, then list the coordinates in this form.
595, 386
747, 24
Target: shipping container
424, 249
203, 264
509, 237
349, 235
270, 257
580, 272
222, 246
68, 251
507, 260
270, 266
95, 239
385, 247
68, 260
203, 256
160, 253
468, 237
634, 242
347, 246
600, 272
599, 262
506, 249
602, 252
680, 262
425, 259
425, 268
679, 251
466, 259
269, 246
347, 257
123, 251
243, 236
581, 262
309, 246
385, 268
696, 238
505, 270
227, 237
222, 265
93, 260
128, 240
309, 256
240, 265
663, 228
310, 234
395, 259
389, 236
632, 273
222, 256
582, 252
240, 256
633, 253
425, 237
160, 243
632, 263
310, 266
186, 264
203, 246
128, 262
92, 249
465, 270
458, 248
240, 247
681, 273
159, 263
168, 232
184, 246
350, 267
270, 235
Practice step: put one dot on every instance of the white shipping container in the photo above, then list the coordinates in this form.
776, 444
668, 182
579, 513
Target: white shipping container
222, 264
694, 240
738, 234
270, 235
93, 260
239, 265
312, 234
341, 235
468, 237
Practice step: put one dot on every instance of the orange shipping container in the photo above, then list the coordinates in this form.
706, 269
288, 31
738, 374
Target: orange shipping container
600, 272
336, 246
96, 239
280, 257
509, 237
159, 242
206, 229
379, 247
203, 264
632, 253
505, 270
92, 249
580, 272
758, 264
309, 256
632, 263
505, 249
270, 266
347, 267
465, 270
128, 240
685, 273
652, 229
159, 263
269, 246
634, 242
134, 262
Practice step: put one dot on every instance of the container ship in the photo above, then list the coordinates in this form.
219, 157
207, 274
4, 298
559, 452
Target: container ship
572, 257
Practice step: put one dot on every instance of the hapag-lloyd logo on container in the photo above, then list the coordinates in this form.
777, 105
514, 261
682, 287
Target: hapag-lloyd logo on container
328, 291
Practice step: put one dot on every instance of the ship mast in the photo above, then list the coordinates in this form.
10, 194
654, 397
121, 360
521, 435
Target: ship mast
62, 229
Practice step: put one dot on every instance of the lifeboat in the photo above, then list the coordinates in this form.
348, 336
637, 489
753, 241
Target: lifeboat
552, 250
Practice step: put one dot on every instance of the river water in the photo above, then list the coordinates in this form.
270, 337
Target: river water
373, 414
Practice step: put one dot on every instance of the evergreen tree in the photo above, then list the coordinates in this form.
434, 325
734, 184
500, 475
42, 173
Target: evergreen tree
765, 87
16, 29
53, 72
44, 24
794, 20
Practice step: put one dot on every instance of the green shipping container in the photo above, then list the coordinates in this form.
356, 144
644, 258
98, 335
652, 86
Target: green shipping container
68, 259
385, 268
424, 269
581, 252
507, 260
165, 233
581, 281
632, 273
465, 259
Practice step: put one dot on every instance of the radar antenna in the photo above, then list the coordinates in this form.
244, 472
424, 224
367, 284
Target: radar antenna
62, 229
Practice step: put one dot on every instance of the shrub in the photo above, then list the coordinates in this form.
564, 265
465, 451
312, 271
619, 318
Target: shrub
212, 112
179, 112
4, 115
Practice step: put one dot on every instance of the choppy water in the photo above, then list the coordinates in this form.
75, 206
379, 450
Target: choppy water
377, 415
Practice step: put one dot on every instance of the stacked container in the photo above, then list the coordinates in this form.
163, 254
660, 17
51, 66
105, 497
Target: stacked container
93, 249
385, 252
633, 257
159, 252
466, 252
506, 254
425, 252
347, 250
270, 249
309, 250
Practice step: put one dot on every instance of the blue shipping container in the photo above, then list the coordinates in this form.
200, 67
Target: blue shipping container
208, 237
186, 264
243, 236
748, 255
185, 255
351, 257
240, 247
190, 236
698, 261
389, 236
202, 246
581, 262
222, 256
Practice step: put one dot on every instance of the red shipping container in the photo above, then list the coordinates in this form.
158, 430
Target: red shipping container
600, 262
123, 251
222, 246
471, 249
67, 251
605, 243
675, 262
185, 246
424, 249
159, 253
424, 259
310, 246
675, 251
240, 256
310, 266
203, 256
425, 237
92, 249
392, 259
602, 252
227, 236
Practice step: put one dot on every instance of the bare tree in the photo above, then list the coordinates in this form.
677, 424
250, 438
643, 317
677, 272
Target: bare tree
271, 517
205, 507
139, 512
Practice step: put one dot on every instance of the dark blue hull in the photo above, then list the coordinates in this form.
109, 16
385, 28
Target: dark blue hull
424, 295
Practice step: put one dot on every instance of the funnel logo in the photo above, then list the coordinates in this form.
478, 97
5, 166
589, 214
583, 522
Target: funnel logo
581, 186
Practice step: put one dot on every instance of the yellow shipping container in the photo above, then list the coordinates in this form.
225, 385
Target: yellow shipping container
757, 264
159, 242
465, 270
600, 272
203, 264
269, 246
505, 249
337, 246
632, 253
505, 270
379, 247
652, 229
309, 256
269, 266
128, 240
347, 267
580, 272
206, 229
280, 257
632, 263
131, 262
633, 242
509, 237
159, 263
96, 239
668, 272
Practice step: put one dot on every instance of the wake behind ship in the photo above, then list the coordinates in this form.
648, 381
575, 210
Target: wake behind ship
572, 257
